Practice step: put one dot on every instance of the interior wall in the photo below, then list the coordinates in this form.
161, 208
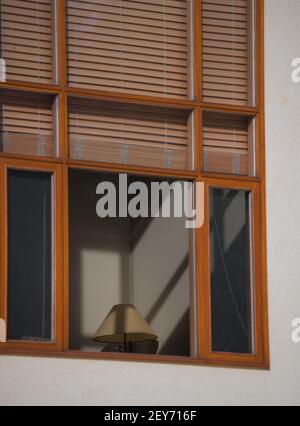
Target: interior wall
58, 381
161, 281
99, 261
140, 261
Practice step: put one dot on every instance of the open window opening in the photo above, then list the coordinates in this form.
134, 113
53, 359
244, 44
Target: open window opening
144, 262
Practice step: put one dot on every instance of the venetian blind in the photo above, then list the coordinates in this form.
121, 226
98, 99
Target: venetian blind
137, 135
26, 124
228, 143
26, 40
227, 44
138, 47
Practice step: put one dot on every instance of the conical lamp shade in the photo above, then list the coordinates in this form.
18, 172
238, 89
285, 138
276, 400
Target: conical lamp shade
124, 320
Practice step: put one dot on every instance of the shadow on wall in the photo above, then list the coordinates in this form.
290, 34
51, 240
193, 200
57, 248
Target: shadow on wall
101, 274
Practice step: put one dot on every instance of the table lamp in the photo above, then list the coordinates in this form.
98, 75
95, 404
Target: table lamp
124, 325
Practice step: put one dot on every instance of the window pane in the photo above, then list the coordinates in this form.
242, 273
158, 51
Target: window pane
137, 135
118, 260
228, 51
228, 144
26, 40
231, 271
30, 300
27, 124
135, 47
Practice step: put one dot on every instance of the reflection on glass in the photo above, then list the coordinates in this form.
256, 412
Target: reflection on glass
30, 256
231, 271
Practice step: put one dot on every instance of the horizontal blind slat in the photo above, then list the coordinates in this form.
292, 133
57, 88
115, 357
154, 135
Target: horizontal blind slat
100, 130
26, 124
115, 46
26, 39
226, 143
225, 51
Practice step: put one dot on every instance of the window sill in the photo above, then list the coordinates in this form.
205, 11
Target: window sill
121, 357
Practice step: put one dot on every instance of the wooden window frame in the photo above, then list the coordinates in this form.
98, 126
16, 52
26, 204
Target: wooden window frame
61, 165
56, 170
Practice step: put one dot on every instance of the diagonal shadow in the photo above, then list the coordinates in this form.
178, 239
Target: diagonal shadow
168, 289
179, 334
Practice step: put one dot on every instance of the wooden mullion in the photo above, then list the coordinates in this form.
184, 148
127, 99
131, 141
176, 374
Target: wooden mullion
62, 118
50, 89
233, 109
197, 139
61, 42
134, 170
262, 164
65, 302
202, 282
198, 50
135, 99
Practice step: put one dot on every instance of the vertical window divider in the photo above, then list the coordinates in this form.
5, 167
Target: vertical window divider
198, 50
65, 302
61, 42
202, 282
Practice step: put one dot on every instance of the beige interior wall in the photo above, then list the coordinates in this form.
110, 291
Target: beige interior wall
161, 281
99, 262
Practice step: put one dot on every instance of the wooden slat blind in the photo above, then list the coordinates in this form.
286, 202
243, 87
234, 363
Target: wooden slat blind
226, 35
115, 133
227, 143
26, 123
138, 47
26, 40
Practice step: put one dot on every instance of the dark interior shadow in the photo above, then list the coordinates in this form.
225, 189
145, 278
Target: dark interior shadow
179, 334
149, 348
138, 230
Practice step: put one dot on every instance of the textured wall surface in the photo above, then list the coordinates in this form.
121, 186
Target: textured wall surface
44, 381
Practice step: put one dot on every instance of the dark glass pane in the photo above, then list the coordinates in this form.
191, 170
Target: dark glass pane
30, 256
231, 286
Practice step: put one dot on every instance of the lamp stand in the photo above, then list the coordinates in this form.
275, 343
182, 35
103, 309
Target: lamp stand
127, 346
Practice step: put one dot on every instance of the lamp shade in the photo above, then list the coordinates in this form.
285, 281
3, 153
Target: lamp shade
124, 320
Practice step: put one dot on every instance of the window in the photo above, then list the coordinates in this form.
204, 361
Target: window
119, 262
26, 40
28, 123
121, 133
228, 143
231, 271
163, 93
132, 47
